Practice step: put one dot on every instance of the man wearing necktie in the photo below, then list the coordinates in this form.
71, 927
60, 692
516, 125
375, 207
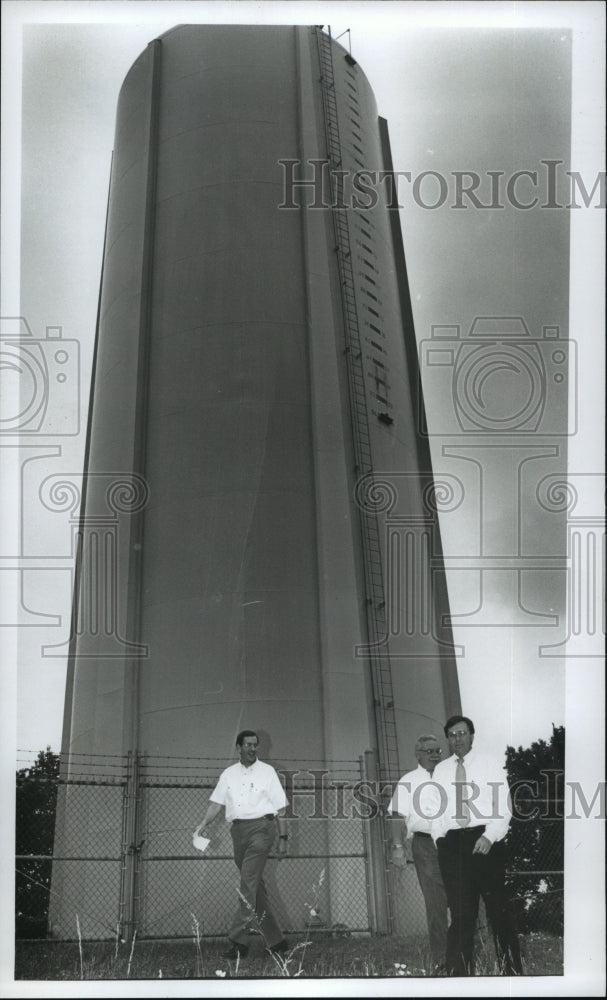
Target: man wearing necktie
469, 833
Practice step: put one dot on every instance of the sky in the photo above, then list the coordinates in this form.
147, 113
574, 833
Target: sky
469, 88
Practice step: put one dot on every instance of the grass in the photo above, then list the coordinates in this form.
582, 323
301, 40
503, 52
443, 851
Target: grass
323, 956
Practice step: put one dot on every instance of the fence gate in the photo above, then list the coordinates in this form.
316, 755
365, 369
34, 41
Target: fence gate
326, 882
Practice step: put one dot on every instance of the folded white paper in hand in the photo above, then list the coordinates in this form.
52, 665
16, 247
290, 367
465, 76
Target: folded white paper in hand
200, 843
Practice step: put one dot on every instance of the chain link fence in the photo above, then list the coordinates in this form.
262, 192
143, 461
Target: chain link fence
107, 851
536, 848
70, 845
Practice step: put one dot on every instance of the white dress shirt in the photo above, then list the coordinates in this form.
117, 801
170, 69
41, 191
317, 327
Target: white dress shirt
486, 792
416, 798
249, 792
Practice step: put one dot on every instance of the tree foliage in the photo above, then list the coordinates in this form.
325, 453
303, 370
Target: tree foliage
536, 838
531, 763
35, 833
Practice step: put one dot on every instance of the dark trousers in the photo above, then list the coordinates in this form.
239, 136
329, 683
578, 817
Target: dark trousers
253, 840
467, 877
425, 858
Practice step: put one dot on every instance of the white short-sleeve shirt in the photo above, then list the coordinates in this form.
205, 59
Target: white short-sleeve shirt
249, 792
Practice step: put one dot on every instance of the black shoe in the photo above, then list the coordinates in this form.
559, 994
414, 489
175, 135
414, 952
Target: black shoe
278, 949
236, 951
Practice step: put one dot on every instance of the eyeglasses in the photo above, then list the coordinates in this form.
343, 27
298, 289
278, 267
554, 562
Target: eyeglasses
436, 750
458, 732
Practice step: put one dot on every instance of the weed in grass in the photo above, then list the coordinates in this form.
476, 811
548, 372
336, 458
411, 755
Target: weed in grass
80, 946
289, 964
486, 962
128, 968
285, 961
199, 961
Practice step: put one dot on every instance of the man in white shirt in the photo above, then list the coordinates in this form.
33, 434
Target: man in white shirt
254, 802
469, 832
412, 808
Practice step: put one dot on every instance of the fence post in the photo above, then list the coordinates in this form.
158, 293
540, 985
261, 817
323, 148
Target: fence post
130, 849
373, 833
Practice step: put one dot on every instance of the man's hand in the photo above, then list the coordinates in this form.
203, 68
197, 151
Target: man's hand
213, 810
482, 846
399, 859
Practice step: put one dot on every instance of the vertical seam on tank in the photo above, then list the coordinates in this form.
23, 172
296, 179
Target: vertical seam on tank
137, 554
297, 33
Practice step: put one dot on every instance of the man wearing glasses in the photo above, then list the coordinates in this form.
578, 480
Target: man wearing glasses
413, 805
469, 832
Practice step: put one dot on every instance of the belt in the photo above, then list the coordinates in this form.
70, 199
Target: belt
255, 819
467, 829
420, 834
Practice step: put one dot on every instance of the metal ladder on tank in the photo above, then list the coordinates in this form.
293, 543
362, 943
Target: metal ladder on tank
374, 582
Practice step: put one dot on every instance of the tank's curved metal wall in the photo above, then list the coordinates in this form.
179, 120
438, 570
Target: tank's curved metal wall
229, 561
227, 553
100, 673
220, 382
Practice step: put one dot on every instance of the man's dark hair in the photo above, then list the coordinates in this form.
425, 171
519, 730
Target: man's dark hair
459, 718
243, 733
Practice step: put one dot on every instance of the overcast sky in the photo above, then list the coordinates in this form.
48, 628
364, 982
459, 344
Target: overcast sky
464, 87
